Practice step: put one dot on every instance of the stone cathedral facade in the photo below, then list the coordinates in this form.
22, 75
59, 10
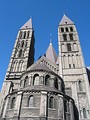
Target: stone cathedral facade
55, 87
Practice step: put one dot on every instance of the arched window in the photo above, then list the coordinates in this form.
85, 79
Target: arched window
21, 83
31, 101
65, 37
13, 103
21, 66
21, 34
28, 34
71, 36
36, 79
47, 81
68, 47
22, 44
56, 83
66, 29
20, 53
51, 102
84, 113
26, 44
26, 81
15, 66
66, 106
24, 35
80, 85
62, 29
71, 29
18, 45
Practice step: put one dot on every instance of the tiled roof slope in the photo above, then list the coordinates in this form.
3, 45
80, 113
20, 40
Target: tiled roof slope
51, 54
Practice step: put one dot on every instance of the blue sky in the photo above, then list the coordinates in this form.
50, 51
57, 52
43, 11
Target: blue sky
46, 15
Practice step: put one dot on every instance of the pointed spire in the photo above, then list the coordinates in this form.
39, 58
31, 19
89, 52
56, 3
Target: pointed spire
51, 54
65, 20
28, 24
50, 38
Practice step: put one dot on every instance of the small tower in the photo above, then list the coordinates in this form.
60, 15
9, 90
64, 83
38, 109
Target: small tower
72, 68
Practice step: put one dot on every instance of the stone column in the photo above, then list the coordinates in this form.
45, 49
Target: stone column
60, 107
18, 104
52, 82
71, 110
59, 85
43, 106
30, 80
41, 80
5, 107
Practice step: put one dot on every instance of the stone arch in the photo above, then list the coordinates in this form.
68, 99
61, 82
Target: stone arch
47, 81
51, 102
36, 79
15, 65
13, 102
21, 35
20, 67
26, 81
80, 85
84, 113
20, 53
24, 36
22, 44
56, 83
28, 34
31, 101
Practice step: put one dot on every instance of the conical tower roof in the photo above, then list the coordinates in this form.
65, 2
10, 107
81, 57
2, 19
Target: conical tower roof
28, 24
65, 20
51, 54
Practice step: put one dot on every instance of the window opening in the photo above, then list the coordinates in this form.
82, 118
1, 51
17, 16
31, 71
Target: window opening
62, 29
51, 102
31, 101
84, 113
80, 85
47, 82
65, 37
66, 29
13, 103
71, 36
69, 47
71, 29
36, 79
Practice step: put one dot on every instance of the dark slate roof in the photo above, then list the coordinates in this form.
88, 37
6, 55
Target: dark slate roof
28, 24
40, 66
65, 20
51, 54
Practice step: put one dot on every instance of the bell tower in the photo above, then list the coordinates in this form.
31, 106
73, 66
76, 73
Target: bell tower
72, 68
23, 52
22, 57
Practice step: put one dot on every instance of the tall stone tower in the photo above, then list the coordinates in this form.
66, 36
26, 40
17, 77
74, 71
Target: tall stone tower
22, 57
23, 52
72, 68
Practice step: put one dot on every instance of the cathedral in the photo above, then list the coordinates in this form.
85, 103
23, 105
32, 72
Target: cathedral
55, 87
